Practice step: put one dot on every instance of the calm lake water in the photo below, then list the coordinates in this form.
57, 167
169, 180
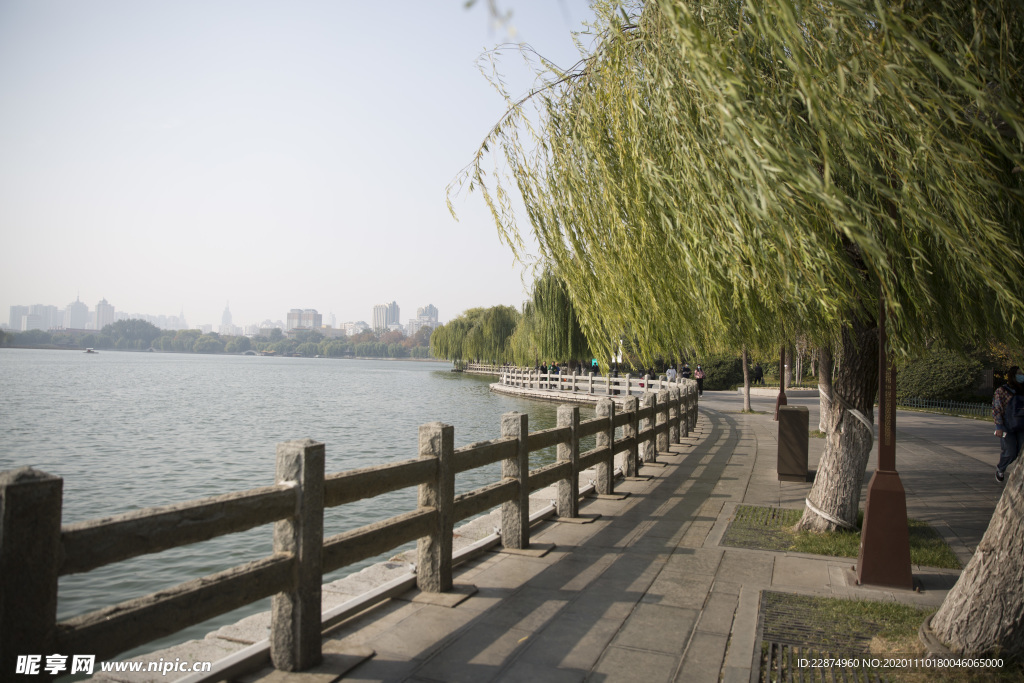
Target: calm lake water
134, 430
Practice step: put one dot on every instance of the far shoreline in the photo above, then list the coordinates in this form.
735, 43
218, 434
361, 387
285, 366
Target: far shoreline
82, 349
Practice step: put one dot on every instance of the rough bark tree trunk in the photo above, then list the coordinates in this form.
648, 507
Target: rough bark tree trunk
746, 382
824, 386
984, 612
835, 496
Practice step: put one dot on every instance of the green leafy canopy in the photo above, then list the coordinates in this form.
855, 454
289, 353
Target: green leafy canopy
721, 171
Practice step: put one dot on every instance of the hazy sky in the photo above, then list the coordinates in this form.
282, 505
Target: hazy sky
274, 155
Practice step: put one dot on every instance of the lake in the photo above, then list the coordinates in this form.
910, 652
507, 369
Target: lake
134, 430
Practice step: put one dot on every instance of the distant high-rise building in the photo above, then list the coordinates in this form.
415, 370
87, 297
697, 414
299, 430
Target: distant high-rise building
380, 317
104, 314
76, 315
427, 314
385, 315
17, 313
311, 320
308, 319
49, 317
226, 326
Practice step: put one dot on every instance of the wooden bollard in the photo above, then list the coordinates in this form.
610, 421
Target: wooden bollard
434, 552
605, 439
568, 504
295, 615
30, 511
515, 514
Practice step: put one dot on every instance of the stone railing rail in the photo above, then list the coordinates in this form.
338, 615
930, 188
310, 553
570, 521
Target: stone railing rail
35, 549
484, 368
588, 383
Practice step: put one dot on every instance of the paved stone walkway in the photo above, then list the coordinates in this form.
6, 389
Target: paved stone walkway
645, 592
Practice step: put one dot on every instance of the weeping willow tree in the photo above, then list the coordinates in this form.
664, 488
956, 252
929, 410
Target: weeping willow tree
478, 334
782, 165
549, 328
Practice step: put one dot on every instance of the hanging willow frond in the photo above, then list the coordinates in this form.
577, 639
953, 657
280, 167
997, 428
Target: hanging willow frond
722, 171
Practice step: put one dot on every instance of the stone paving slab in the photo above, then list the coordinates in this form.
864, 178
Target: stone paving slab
646, 592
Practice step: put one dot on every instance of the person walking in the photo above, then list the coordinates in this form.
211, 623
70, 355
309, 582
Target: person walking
1008, 414
758, 374
698, 375
685, 372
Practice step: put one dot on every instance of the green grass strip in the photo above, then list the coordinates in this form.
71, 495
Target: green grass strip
766, 528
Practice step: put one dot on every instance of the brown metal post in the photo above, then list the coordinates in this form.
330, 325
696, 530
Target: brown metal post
884, 557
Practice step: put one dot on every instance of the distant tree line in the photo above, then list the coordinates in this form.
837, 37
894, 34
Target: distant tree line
139, 335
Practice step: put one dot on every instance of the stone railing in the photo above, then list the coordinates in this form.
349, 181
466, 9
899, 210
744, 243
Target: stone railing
484, 369
599, 385
36, 549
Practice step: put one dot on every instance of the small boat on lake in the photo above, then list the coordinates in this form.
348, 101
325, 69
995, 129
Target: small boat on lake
91, 350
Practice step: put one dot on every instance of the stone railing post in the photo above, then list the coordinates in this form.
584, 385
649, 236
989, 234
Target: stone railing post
434, 552
606, 438
647, 452
295, 616
568, 503
632, 464
590, 381
673, 414
629, 388
30, 511
515, 514
661, 420
693, 406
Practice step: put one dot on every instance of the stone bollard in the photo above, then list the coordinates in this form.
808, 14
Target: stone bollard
661, 420
568, 504
606, 439
647, 452
295, 616
434, 552
629, 431
673, 414
515, 514
30, 555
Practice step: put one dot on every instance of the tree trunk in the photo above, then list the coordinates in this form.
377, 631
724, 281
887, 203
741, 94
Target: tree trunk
746, 382
824, 386
849, 434
984, 612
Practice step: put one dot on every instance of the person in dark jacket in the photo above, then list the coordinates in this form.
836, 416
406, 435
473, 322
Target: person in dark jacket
1010, 441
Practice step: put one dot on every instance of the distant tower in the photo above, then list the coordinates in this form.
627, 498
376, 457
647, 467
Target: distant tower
76, 315
104, 314
392, 313
380, 317
225, 321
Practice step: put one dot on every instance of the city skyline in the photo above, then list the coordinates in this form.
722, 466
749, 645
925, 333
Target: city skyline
171, 157
79, 315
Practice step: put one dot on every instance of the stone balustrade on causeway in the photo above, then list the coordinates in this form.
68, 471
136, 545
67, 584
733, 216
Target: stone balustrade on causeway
577, 387
36, 548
